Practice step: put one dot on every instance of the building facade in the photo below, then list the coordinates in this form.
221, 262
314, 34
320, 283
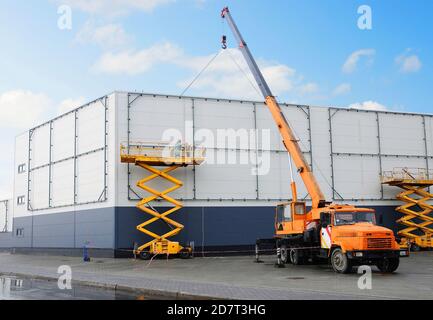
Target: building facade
72, 190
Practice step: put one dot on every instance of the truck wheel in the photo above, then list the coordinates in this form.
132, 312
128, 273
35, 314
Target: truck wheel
414, 247
295, 257
185, 254
339, 261
388, 265
284, 254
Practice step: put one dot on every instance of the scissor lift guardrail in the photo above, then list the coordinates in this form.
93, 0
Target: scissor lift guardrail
417, 211
152, 157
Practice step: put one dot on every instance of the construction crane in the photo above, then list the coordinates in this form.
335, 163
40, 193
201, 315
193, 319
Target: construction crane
346, 235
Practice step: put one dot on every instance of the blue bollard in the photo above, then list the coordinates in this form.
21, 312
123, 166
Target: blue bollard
86, 257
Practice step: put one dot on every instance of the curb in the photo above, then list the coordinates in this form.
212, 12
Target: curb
116, 287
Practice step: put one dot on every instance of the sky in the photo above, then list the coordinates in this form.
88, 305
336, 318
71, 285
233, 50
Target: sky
58, 54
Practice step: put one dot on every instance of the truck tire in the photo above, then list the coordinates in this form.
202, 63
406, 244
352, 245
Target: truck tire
285, 254
388, 265
339, 261
185, 254
295, 257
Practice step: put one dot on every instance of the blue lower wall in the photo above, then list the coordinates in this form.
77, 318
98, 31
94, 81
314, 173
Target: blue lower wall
115, 228
217, 226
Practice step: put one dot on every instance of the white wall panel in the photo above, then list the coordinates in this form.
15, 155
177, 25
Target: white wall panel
297, 119
63, 137
152, 117
91, 128
276, 183
355, 132
40, 145
402, 134
90, 181
63, 183
357, 177
227, 181
215, 117
39, 186
429, 134
20, 179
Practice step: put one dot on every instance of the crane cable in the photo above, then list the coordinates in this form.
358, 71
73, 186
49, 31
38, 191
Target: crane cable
200, 73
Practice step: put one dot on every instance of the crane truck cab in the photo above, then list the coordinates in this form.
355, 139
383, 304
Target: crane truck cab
346, 235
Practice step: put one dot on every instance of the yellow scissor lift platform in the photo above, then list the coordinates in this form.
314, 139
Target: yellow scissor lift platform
418, 217
160, 160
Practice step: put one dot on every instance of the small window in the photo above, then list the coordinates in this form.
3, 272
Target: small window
21, 200
284, 213
22, 168
19, 232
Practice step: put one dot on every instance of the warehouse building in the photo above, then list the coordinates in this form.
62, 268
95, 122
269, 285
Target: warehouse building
71, 189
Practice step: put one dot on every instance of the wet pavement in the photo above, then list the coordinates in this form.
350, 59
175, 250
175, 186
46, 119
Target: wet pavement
223, 277
13, 288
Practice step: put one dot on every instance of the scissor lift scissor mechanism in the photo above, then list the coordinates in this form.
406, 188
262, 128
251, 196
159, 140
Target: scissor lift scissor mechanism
417, 212
160, 160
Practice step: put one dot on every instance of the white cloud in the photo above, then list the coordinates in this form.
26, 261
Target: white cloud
369, 105
341, 89
229, 76
408, 63
114, 7
107, 36
22, 109
134, 62
309, 88
352, 61
70, 104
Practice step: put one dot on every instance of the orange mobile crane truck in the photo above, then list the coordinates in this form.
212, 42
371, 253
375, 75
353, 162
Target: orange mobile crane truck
345, 235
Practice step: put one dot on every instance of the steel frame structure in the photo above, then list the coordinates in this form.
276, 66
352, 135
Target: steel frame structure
103, 197
133, 195
6, 204
380, 156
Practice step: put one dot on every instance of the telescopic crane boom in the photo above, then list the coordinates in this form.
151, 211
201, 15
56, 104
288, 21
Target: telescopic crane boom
289, 139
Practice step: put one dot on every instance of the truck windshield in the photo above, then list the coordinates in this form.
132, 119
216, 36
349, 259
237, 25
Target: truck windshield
342, 218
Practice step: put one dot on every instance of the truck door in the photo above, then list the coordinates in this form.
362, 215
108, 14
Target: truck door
326, 230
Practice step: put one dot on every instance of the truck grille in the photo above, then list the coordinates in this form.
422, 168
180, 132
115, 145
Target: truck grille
379, 243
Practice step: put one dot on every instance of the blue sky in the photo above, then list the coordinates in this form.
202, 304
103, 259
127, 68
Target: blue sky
312, 52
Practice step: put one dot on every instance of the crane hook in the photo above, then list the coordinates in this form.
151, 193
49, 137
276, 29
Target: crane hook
224, 42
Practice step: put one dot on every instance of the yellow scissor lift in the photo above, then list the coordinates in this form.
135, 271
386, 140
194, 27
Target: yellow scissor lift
418, 217
160, 159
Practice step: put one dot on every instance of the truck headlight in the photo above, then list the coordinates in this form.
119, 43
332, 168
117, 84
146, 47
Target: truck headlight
359, 254
403, 253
